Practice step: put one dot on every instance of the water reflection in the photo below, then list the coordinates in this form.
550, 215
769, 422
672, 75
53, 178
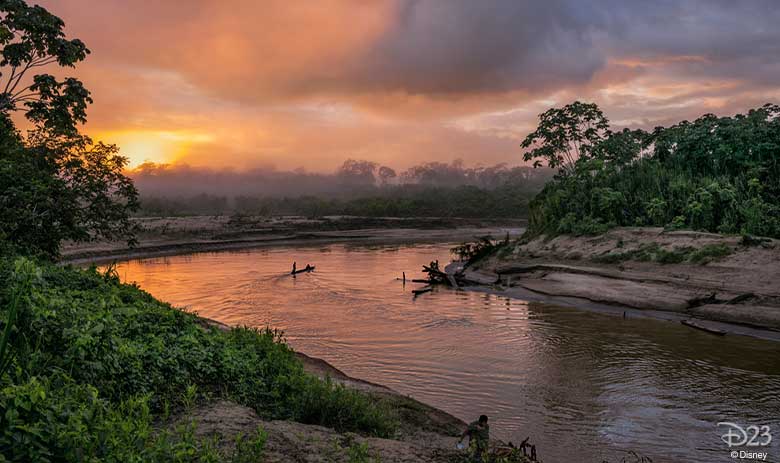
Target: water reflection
584, 386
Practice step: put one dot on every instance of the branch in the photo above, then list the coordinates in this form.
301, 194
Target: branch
21, 91
43, 63
13, 71
18, 78
569, 157
29, 96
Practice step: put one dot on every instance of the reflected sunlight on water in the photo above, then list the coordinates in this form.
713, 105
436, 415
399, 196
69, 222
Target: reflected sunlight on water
583, 385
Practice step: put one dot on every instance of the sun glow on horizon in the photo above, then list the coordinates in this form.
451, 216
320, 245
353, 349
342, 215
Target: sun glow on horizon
156, 146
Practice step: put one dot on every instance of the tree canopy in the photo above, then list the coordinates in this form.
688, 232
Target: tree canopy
565, 135
55, 183
718, 174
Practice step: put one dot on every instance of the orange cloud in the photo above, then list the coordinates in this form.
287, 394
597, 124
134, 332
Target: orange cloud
285, 83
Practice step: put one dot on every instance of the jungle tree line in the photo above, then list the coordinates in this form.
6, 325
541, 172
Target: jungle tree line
716, 174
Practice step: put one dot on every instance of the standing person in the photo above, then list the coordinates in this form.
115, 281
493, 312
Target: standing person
479, 438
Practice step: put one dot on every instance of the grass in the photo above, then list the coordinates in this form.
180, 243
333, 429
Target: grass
97, 365
653, 252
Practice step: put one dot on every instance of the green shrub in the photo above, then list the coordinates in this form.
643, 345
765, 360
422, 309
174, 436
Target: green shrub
708, 253
94, 363
653, 252
484, 246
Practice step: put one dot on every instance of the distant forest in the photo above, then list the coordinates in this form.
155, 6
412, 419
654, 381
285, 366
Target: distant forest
357, 187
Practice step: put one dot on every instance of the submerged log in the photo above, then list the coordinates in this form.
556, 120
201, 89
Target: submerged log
417, 292
435, 275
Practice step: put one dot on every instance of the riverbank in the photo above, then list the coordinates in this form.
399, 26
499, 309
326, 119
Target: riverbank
165, 236
135, 378
718, 282
426, 434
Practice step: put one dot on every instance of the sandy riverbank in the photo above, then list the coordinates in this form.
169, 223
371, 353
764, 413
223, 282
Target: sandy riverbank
167, 236
720, 282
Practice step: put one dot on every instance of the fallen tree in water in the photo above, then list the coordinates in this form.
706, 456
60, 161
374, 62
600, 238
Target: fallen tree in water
436, 276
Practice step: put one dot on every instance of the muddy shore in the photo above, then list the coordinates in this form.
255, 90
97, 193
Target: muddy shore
720, 283
166, 236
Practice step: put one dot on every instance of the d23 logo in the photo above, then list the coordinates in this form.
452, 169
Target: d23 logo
750, 436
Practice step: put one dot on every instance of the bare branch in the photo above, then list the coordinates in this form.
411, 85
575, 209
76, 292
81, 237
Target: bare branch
13, 71
18, 78
21, 91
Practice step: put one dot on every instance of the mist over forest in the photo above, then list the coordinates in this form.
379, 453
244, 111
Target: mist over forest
357, 187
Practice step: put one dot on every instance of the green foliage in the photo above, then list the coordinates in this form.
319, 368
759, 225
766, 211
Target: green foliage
565, 135
249, 449
717, 174
98, 363
482, 247
55, 184
32, 37
55, 419
361, 453
709, 253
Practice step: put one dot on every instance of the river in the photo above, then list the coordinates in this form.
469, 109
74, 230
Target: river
584, 386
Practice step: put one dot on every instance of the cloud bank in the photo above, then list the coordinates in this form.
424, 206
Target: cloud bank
251, 84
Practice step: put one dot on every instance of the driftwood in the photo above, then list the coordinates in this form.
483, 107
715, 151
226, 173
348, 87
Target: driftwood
528, 450
435, 275
417, 292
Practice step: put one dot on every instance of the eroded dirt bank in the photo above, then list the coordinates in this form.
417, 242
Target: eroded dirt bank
679, 275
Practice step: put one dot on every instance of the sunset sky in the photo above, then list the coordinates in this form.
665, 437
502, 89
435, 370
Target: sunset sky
287, 84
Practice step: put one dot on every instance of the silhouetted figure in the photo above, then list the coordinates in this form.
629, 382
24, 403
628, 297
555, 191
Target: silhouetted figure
293, 270
479, 438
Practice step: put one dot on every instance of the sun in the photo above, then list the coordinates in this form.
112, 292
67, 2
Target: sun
157, 146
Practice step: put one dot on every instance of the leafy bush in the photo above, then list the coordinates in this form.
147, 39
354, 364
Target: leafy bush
96, 363
482, 247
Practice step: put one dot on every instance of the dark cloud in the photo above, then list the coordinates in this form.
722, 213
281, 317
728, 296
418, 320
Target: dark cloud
463, 47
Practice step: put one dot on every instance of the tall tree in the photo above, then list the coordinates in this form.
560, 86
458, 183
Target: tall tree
55, 183
565, 135
386, 175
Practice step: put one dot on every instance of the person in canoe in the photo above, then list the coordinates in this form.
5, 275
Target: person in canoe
308, 268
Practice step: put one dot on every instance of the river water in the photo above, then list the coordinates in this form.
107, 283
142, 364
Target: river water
584, 386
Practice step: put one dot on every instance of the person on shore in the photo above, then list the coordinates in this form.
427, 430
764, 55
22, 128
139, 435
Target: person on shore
479, 438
